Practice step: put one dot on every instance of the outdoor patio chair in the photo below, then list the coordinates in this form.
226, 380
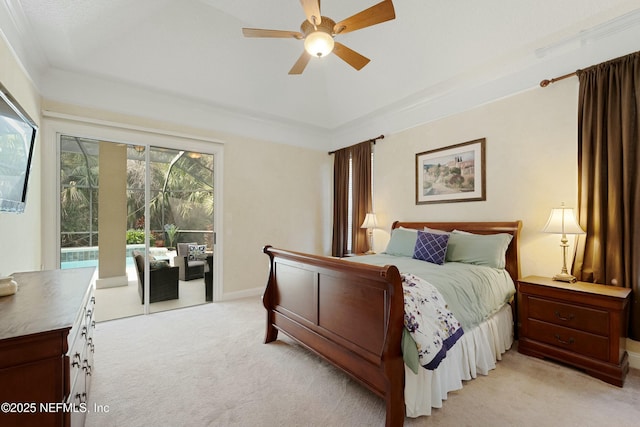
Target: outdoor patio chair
164, 280
190, 260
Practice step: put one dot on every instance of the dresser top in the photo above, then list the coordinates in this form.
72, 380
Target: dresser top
585, 287
45, 301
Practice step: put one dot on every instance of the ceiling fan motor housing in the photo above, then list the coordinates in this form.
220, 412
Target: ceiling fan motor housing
326, 26
318, 39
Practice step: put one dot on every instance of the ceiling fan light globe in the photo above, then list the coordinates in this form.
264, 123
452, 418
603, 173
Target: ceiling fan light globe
318, 44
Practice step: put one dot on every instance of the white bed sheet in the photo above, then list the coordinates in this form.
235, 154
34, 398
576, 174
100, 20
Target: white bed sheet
475, 353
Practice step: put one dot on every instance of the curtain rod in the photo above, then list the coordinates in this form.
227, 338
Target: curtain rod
368, 140
546, 83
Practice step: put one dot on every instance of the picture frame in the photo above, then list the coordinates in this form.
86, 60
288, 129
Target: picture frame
452, 174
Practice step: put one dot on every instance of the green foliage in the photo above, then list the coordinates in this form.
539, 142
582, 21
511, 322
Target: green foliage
470, 182
136, 237
456, 181
171, 230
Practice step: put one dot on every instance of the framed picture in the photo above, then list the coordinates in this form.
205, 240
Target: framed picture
451, 174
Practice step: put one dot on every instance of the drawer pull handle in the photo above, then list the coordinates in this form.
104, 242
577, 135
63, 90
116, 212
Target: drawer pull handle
76, 360
561, 341
564, 319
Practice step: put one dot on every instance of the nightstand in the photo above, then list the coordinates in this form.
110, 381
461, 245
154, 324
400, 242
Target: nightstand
581, 324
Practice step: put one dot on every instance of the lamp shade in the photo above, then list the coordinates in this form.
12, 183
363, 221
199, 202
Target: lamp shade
562, 220
369, 221
319, 43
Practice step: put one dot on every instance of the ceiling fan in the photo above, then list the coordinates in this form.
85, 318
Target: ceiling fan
318, 33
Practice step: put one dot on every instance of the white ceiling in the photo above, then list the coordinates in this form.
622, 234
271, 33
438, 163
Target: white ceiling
436, 58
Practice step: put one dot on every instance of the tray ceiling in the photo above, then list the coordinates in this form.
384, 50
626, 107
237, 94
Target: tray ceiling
435, 58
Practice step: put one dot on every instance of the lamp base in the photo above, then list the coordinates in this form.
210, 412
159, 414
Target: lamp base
564, 277
370, 252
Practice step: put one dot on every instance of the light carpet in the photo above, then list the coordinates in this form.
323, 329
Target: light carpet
207, 366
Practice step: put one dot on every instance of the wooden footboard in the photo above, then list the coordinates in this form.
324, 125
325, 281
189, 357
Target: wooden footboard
350, 314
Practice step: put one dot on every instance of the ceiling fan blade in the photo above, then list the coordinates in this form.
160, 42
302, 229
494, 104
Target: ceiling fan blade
376, 14
257, 32
312, 10
350, 56
300, 64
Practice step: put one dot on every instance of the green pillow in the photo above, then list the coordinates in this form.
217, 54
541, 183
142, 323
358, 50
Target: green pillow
402, 242
478, 249
154, 265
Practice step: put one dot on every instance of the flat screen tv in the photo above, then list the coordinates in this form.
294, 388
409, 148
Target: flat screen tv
17, 138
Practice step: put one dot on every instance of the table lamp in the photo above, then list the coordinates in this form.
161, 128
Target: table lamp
370, 223
563, 221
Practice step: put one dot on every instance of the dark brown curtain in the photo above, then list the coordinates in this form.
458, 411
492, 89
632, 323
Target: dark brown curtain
360, 157
609, 178
340, 201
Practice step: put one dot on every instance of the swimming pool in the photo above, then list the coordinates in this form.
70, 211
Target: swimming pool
87, 256
88, 263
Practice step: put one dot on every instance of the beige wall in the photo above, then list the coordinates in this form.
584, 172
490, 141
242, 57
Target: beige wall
20, 239
277, 195
531, 166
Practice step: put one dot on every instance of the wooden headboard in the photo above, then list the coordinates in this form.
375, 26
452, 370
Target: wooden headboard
508, 227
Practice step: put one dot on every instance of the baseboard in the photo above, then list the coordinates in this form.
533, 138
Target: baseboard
228, 296
112, 282
634, 359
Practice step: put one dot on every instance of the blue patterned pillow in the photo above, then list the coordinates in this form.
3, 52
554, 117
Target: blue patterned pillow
431, 247
196, 252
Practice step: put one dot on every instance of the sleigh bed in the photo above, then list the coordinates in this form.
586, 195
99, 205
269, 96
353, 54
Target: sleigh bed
351, 313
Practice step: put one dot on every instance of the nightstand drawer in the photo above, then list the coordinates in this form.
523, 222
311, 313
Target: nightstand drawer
568, 315
570, 339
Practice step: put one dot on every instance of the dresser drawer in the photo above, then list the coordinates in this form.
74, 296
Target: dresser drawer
568, 315
579, 342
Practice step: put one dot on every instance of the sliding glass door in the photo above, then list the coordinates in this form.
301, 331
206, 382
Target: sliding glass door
181, 217
138, 211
